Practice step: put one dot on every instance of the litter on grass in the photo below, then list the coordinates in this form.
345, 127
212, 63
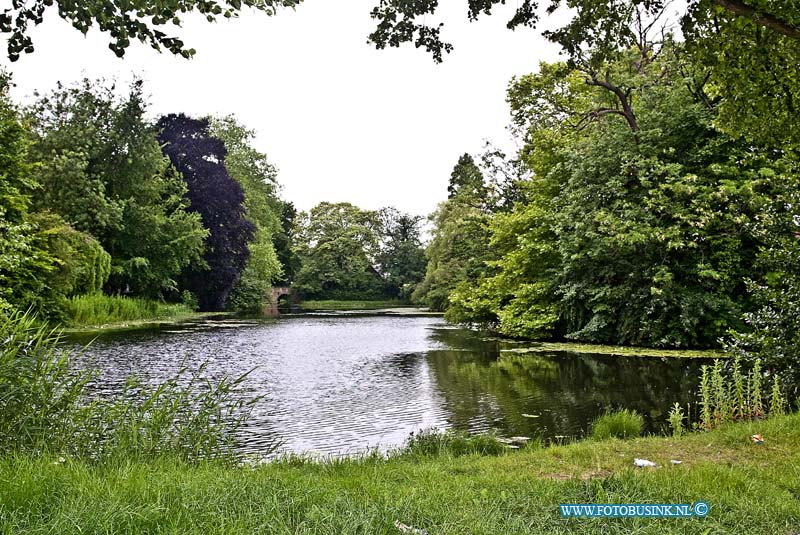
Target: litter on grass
408, 529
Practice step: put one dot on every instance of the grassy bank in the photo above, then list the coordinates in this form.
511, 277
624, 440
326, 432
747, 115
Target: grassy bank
332, 304
751, 489
98, 310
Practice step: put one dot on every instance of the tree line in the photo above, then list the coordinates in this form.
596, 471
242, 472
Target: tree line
633, 215
95, 197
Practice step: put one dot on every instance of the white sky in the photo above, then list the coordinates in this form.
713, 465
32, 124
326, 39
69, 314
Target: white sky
341, 120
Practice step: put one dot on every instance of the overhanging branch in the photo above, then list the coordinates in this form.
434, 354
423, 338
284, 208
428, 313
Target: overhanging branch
764, 19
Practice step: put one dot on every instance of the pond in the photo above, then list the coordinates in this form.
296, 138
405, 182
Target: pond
342, 383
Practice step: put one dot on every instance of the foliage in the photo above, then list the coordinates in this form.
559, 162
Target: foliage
773, 326
331, 304
124, 21
99, 309
618, 424
284, 243
745, 52
102, 170
635, 230
750, 66
258, 179
458, 252
338, 244
217, 198
49, 408
434, 442
676, 418
42, 259
23, 265
401, 259
726, 395
81, 264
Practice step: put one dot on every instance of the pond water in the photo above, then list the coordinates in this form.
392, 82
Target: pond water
340, 384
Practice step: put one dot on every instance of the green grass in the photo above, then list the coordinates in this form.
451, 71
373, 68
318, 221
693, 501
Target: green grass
751, 490
99, 309
618, 424
332, 304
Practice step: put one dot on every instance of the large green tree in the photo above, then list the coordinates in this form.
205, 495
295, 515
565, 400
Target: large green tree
338, 244
101, 168
458, 251
401, 259
638, 224
42, 259
258, 178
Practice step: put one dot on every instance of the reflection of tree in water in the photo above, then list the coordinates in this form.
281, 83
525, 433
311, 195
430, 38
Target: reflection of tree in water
483, 388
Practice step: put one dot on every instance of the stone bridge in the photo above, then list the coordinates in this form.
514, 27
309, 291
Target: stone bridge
275, 294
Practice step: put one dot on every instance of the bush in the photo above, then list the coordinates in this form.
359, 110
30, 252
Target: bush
619, 424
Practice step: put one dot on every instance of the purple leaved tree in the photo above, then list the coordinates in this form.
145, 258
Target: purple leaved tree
218, 199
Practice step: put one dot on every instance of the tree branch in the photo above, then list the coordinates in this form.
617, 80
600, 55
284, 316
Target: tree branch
767, 20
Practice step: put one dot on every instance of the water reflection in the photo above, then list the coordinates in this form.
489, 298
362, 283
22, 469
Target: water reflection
555, 393
342, 384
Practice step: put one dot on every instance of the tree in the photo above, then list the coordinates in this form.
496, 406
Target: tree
258, 179
42, 259
284, 243
773, 324
219, 200
338, 244
123, 21
459, 249
102, 170
627, 236
401, 260
466, 179
747, 51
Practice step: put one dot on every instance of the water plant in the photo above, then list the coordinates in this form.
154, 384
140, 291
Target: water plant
620, 424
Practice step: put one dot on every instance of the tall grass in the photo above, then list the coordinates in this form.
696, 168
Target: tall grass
619, 424
434, 442
99, 309
49, 408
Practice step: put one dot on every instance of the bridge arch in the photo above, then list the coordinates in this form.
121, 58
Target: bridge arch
276, 292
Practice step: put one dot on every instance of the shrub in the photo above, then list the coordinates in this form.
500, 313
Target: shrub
619, 424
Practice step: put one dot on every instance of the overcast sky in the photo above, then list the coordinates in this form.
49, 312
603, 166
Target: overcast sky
340, 120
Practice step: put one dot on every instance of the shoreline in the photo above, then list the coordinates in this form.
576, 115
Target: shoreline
750, 489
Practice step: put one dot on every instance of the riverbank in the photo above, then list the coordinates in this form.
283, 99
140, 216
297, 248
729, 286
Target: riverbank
750, 489
97, 312
334, 304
